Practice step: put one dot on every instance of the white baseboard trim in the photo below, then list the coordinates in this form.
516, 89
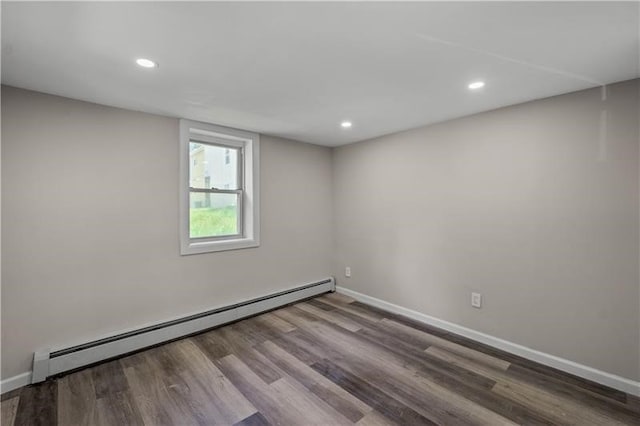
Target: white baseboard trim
611, 380
15, 382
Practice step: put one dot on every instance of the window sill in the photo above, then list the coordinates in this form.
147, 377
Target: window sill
196, 247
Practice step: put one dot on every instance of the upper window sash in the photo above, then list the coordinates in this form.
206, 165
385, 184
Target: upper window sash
222, 144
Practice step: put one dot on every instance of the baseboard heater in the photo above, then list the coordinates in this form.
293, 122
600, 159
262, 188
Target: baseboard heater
47, 363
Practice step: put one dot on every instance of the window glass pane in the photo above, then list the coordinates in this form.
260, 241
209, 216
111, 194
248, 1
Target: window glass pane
212, 214
213, 166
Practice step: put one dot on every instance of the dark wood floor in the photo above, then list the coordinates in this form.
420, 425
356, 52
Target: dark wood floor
328, 361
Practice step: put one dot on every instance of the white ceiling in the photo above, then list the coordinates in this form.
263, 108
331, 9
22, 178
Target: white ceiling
298, 69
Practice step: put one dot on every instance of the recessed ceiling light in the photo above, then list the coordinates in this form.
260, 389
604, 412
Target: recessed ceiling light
476, 85
146, 63
345, 124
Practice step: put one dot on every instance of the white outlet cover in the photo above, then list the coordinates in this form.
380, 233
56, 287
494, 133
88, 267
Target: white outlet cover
347, 271
476, 300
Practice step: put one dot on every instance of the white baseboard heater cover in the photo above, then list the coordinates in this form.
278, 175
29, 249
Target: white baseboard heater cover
47, 363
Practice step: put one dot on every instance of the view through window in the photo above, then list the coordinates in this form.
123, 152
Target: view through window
215, 191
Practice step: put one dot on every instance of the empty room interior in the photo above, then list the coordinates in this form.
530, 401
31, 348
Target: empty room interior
320, 213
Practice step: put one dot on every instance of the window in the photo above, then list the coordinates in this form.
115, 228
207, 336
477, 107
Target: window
219, 192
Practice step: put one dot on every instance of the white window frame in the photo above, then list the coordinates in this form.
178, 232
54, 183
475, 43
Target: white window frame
249, 144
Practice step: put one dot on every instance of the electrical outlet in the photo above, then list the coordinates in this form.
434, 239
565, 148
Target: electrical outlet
347, 272
476, 300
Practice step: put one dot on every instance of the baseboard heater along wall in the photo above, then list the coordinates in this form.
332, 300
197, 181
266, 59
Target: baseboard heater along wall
47, 363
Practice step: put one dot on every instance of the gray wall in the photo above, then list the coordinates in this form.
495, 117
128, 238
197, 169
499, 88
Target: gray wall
90, 225
535, 206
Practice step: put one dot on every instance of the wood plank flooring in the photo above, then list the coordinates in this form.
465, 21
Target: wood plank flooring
325, 361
